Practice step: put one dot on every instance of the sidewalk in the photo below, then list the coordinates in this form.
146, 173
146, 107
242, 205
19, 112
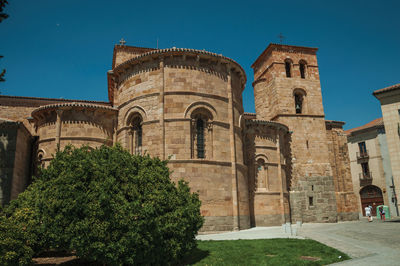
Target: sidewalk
252, 233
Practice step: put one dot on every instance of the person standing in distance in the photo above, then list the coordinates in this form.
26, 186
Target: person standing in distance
368, 213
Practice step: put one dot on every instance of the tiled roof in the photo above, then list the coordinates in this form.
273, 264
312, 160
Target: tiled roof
53, 99
390, 88
174, 49
73, 104
374, 123
282, 46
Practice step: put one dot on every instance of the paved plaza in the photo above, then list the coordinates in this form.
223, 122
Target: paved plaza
376, 243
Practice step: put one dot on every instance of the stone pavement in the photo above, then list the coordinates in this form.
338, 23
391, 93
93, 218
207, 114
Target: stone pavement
253, 233
376, 243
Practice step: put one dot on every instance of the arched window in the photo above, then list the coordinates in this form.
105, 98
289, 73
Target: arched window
299, 100
40, 161
288, 68
303, 69
200, 137
136, 133
201, 134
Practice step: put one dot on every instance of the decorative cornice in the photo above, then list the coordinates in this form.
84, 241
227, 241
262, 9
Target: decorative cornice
37, 101
73, 104
179, 51
100, 140
202, 161
208, 95
297, 115
265, 122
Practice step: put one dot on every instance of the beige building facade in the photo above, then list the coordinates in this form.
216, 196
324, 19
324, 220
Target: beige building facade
371, 167
285, 163
389, 99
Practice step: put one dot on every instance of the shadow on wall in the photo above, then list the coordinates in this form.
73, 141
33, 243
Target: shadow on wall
289, 171
7, 156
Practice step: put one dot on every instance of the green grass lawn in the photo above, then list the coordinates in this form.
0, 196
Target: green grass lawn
263, 252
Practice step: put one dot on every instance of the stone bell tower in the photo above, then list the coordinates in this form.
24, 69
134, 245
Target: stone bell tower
287, 90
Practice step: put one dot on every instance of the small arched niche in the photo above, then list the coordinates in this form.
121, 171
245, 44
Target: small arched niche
261, 176
300, 102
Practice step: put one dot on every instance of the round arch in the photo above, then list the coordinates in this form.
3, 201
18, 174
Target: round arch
371, 196
261, 156
133, 111
200, 105
299, 90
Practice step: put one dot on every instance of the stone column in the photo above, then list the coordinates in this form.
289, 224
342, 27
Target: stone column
265, 166
130, 141
231, 117
281, 190
115, 127
58, 128
161, 110
210, 141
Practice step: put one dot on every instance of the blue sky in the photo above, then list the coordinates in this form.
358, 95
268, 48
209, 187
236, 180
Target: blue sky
63, 48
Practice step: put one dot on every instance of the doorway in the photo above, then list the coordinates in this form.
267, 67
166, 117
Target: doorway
371, 195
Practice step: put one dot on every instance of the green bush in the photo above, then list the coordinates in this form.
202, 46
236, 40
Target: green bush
111, 207
14, 243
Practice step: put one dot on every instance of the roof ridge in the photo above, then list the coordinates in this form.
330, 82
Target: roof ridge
52, 99
374, 123
390, 88
159, 51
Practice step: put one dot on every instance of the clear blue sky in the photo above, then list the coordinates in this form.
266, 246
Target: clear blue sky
63, 48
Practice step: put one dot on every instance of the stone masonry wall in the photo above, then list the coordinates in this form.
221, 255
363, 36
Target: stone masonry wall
15, 160
346, 199
22, 162
20, 108
310, 163
267, 172
167, 92
314, 200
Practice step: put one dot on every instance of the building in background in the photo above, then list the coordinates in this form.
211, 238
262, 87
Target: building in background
390, 104
284, 163
370, 166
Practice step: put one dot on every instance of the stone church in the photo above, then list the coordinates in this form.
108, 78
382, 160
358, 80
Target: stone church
284, 163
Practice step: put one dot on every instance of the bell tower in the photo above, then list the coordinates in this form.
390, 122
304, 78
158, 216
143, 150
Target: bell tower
287, 90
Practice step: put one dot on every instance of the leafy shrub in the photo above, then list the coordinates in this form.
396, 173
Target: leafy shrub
14, 243
111, 207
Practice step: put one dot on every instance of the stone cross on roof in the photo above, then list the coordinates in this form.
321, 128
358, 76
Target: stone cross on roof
122, 42
281, 37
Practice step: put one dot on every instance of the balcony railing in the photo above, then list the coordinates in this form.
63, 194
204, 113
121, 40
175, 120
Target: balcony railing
362, 155
365, 176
